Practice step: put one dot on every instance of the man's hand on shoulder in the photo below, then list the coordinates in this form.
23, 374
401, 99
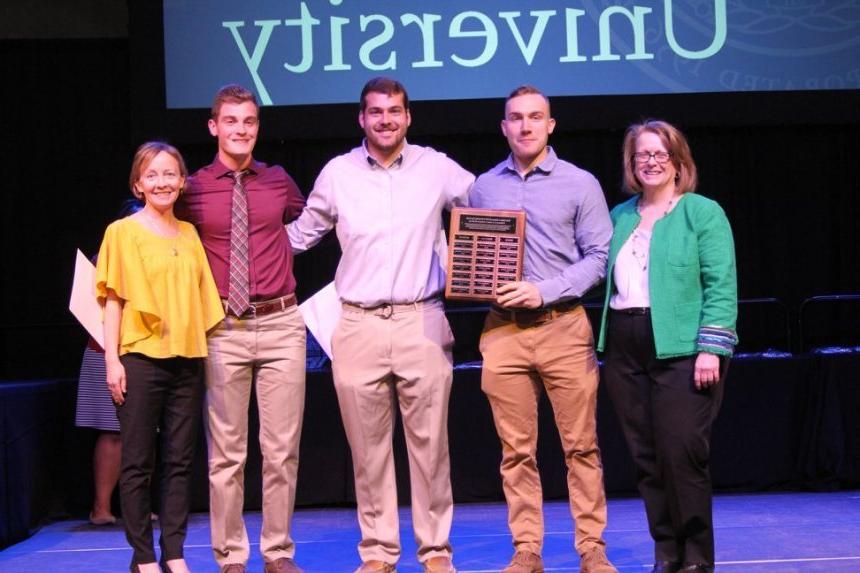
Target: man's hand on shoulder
520, 294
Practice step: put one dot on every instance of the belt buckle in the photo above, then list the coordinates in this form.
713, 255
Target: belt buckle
385, 311
545, 315
524, 317
277, 304
532, 317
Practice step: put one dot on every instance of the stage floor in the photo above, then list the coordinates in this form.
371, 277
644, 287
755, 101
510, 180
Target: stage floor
767, 533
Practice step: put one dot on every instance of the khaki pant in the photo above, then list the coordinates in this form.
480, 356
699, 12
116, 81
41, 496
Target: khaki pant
382, 361
269, 352
520, 361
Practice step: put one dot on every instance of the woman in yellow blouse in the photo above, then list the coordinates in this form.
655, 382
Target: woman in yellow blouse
159, 300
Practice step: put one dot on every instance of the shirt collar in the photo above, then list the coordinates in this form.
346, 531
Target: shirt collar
404, 153
546, 166
220, 170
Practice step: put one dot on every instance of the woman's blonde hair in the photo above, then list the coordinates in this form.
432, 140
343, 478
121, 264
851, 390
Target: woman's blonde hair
144, 155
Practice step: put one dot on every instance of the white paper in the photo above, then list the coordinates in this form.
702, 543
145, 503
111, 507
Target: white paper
83, 302
321, 313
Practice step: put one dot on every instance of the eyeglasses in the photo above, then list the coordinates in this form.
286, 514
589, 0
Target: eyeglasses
645, 156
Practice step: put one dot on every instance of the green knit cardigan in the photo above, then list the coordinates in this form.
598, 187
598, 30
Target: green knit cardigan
692, 278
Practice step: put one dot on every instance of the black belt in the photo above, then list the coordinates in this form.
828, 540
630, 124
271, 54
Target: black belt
532, 316
634, 311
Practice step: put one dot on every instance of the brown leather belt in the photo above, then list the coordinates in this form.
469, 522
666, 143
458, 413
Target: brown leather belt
533, 316
265, 307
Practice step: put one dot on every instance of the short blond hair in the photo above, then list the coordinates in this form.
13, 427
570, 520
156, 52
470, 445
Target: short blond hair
144, 156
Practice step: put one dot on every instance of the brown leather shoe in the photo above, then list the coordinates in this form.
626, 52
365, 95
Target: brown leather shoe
374, 566
594, 561
440, 564
525, 562
233, 568
282, 565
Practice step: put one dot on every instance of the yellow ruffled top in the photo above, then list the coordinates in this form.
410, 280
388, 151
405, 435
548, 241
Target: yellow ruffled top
170, 298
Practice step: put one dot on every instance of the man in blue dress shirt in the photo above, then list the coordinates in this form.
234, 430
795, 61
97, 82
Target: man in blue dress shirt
537, 334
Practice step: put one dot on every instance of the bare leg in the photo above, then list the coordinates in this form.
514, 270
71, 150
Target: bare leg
177, 565
106, 466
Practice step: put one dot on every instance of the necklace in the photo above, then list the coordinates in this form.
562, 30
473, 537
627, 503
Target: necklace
168, 230
665, 210
639, 245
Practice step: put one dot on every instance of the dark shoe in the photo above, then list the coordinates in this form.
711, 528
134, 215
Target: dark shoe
666, 567
524, 562
282, 565
233, 568
697, 568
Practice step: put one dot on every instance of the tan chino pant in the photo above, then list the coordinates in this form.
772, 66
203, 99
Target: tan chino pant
381, 363
267, 351
520, 361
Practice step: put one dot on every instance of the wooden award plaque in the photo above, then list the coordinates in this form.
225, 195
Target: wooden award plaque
485, 251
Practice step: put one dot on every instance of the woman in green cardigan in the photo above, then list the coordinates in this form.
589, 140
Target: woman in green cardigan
667, 330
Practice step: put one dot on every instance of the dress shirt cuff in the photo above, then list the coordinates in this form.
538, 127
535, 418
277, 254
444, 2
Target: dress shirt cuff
295, 237
550, 291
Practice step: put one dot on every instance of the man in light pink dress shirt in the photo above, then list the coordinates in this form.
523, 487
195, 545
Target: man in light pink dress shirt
392, 346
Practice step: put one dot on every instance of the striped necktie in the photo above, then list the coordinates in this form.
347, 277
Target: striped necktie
239, 298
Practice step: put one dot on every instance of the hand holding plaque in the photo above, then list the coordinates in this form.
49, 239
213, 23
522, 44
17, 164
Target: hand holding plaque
485, 251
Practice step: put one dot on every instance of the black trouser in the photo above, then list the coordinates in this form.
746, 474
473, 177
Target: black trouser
667, 426
166, 395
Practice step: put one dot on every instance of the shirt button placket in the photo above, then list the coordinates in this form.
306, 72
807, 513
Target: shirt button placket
389, 235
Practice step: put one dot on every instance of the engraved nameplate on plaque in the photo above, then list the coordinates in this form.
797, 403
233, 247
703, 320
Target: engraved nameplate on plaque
485, 251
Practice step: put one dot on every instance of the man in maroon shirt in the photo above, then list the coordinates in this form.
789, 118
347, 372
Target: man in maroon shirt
263, 345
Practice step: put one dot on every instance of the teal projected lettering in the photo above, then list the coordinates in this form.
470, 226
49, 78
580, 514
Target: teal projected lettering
306, 22
426, 24
571, 20
474, 38
719, 33
488, 32
528, 50
253, 61
637, 19
299, 52
377, 41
